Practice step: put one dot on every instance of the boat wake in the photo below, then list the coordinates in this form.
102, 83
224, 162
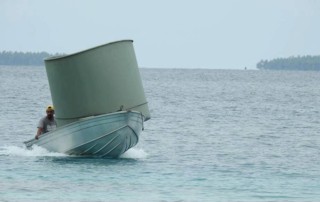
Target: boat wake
36, 151
134, 153
23, 151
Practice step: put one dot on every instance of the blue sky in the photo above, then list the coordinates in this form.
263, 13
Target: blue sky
225, 34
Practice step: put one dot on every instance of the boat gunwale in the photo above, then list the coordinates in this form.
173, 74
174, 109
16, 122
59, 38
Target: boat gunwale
83, 51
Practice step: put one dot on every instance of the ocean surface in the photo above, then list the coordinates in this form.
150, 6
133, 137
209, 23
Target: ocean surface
215, 135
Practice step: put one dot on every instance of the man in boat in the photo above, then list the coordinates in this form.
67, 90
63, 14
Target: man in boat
47, 123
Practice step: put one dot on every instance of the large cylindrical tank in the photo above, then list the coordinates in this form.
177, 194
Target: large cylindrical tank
96, 81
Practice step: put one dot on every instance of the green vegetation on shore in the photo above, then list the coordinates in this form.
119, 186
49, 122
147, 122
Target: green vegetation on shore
24, 58
292, 63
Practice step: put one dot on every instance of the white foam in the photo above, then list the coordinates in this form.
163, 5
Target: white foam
134, 153
23, 151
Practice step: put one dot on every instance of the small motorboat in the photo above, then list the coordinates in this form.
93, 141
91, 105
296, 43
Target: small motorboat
99, 101
108, 135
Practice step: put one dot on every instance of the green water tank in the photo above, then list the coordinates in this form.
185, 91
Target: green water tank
96, 81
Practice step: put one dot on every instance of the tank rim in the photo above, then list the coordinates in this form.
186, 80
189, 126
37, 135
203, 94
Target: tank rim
86, 50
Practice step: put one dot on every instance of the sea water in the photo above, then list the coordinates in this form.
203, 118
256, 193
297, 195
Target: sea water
214, 135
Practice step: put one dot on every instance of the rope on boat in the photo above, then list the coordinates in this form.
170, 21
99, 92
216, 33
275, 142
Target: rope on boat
135, 106
142, 121
120, 109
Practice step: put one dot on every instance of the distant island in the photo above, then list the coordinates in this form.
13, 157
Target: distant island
24, 58
291, 63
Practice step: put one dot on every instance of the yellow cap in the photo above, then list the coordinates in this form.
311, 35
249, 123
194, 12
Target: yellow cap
50, 108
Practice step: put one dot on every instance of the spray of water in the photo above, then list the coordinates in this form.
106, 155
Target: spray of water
23, 151
134, 153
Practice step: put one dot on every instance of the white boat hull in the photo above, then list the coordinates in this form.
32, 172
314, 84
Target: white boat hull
108, 135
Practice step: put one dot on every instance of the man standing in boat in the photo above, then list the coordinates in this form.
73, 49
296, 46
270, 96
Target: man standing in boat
47, 123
